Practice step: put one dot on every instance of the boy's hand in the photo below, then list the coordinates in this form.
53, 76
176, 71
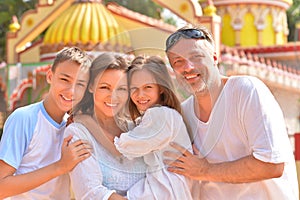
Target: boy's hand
73, 153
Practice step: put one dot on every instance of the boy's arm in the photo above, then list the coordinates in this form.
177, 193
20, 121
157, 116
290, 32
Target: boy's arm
71, 155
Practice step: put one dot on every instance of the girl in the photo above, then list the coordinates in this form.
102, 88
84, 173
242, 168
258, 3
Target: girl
155, 110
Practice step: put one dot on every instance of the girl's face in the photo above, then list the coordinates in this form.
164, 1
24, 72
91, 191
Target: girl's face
110, 92
144, 91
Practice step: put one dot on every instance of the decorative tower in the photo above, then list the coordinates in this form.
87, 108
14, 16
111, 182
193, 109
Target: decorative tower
86, 24
248, 23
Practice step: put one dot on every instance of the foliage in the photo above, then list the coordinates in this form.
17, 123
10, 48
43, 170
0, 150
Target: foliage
9, 8
145, 7
293, 16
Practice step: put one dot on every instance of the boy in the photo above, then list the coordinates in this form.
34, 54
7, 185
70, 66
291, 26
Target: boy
34, 157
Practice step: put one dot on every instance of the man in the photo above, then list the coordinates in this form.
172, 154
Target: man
242, 150
34, 157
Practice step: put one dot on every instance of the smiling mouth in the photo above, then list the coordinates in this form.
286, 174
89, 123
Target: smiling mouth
143, 101
191, 76
66, 99
111, 104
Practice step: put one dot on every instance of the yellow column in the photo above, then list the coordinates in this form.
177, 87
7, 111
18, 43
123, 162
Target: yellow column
237, 38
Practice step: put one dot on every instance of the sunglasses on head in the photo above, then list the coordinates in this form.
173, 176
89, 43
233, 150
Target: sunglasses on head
186, 33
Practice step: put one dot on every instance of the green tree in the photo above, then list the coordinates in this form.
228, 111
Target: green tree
9, 8
145, 7
293, 15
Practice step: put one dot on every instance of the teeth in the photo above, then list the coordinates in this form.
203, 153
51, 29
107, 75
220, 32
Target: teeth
191, 76
111, 104
143, 102
67, 99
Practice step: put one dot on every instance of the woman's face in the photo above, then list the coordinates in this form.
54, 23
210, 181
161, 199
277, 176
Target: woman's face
144, 91
110, 92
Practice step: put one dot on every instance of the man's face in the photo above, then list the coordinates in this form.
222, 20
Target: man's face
194, 64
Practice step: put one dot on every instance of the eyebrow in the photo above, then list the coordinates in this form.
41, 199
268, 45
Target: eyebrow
81, 80
66, 75
150, 83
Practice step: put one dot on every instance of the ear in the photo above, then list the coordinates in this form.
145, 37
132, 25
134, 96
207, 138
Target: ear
91, 88
49, 76
161, 90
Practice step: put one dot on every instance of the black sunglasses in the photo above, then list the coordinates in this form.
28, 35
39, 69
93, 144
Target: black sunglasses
186, 33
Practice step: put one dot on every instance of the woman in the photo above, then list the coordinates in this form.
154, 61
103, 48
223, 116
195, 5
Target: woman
106, 174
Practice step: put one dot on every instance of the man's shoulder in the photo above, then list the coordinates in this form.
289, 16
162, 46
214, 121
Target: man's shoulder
187, 103
244, 79
244, 83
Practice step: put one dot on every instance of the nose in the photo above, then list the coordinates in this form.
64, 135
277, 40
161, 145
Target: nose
72, 89
188, 66
137, 93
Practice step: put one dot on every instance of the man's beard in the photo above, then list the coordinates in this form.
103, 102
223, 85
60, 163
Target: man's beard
202, 87
191, 88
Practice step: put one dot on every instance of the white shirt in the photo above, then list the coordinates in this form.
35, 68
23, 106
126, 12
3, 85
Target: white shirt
101, 174
149, 139
253, 125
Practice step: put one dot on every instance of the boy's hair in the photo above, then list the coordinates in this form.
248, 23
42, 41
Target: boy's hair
157, 67
74, 54
99, 65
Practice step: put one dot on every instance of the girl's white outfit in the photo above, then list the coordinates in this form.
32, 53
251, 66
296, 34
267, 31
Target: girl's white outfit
149, 139
102, 174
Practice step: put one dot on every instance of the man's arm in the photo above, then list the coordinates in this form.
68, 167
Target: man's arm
72, 154
244, 170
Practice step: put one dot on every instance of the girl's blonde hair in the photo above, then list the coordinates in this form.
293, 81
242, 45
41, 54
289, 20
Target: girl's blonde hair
157, 67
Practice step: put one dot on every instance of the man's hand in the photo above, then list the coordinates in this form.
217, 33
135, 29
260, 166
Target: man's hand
244, 170
185, 163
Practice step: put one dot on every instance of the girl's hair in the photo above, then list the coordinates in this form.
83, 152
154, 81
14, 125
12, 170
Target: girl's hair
157, 67
99, 65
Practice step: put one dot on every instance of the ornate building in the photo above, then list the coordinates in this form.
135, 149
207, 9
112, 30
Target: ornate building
251, 38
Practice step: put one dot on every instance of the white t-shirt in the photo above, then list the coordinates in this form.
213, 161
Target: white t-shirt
253, 125
32, 140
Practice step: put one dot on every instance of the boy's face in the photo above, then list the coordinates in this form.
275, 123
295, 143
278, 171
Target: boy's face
62, 83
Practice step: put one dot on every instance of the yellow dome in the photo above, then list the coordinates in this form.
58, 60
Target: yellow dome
86, 23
